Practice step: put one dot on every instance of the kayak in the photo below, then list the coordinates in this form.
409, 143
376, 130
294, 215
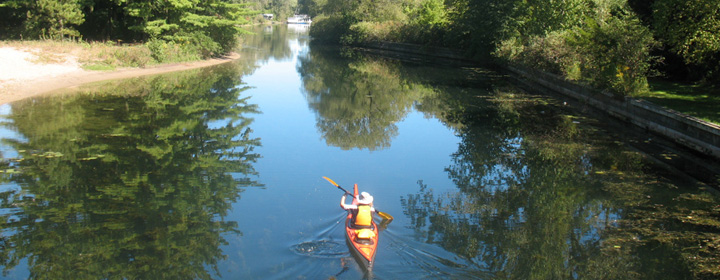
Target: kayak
361, 241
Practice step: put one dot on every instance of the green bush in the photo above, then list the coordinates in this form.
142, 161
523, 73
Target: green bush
609, 51
366, 31
690, 29
549, 53
203, 44
158, 49
330, 29
614, 54
170, 51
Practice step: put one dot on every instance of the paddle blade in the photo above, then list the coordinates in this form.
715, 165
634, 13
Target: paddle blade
338, 186
384, 215
331, 181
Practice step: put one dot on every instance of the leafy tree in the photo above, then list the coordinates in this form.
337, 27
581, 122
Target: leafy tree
54, 18
205, 27
311, 7
613, 52
12, 16
212, 26
691, 30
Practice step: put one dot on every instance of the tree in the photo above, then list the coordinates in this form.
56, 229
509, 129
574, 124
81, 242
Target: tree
54, 18
691, 30
212, 26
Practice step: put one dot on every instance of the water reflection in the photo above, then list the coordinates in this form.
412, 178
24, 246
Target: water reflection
137, 180
542, 194
130, 182
357, 101
271, 42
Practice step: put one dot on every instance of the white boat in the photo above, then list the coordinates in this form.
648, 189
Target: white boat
299, 19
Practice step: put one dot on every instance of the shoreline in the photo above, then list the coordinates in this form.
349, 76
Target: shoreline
14, 89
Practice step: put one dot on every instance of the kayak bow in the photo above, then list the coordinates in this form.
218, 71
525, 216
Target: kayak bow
361, 241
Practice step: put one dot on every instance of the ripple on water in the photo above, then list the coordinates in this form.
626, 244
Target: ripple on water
321, 249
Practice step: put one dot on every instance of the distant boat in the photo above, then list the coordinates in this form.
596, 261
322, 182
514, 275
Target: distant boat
299, 19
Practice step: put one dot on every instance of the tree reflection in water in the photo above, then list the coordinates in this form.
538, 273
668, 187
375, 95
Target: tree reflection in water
553, 198
358, 106
542, 192
131, 180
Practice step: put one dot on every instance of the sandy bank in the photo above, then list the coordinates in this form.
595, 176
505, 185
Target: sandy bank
22, 76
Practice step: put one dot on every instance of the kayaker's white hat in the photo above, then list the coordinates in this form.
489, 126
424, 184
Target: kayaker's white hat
365, 198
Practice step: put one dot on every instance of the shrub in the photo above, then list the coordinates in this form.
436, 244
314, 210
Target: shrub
330, 29
375, 31
169, 51
158, 49
610, 51
203, 44
614, 54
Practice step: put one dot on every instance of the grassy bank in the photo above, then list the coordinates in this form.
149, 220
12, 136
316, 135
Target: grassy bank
108, 55
700, 101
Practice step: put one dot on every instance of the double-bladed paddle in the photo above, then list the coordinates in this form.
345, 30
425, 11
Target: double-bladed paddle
382, 214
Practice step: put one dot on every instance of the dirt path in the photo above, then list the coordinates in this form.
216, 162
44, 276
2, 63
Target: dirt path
21, 77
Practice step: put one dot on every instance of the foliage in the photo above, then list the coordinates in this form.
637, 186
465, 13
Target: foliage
210, 27
430, 13
691, 30
613, 54
610, 50
12, 16
54, 18
602, 42
311, 8
537, 17
331, 29
367, 31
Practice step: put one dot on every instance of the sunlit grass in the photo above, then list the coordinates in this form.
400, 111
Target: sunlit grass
700, 101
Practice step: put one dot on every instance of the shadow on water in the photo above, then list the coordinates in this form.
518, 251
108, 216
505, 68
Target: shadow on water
124, 181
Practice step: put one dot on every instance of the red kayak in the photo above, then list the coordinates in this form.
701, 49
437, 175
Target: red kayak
361, 241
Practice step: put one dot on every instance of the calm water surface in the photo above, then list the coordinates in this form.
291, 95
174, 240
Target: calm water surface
217, 174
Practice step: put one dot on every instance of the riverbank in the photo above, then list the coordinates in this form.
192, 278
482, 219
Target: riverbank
24, 72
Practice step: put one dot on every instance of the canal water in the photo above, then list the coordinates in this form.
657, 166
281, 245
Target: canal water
216, 173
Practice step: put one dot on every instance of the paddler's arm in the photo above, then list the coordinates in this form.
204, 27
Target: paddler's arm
346, 206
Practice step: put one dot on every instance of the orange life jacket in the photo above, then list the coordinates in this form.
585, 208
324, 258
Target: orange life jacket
363, 216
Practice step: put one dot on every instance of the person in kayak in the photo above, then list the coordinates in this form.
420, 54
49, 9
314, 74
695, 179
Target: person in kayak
362, 212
